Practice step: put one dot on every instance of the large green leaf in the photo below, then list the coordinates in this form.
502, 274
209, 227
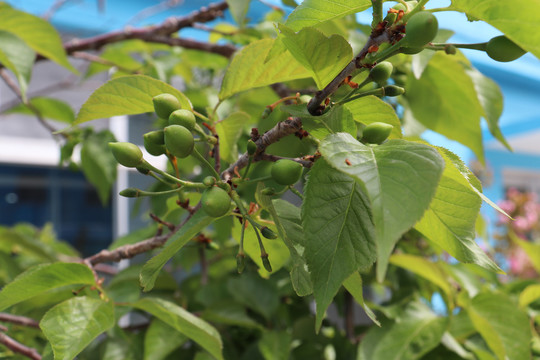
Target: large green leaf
49, 108
126, 95
424, 268
491, 99
238, 10
354, 286
256, 293
71, 325
313, 12
41, 278
504, 327
160, 340
339, 232
400, 177
289, 225
17, 57
229, 131
36, 33
508, 17
530, 294
450, 220
192, 227
98, 163
370, 109
252, 67
323, 57
444, 100
183, 321
416, 332
338, 119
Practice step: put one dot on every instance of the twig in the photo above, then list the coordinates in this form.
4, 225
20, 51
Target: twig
19, 348
94, 58
226, 50
280, 130
19, 320
154, 9
168, 27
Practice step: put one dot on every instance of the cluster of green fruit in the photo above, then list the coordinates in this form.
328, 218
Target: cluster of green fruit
422, 27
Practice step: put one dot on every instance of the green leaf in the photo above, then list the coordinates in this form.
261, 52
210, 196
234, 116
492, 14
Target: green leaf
17, 57
530, 294
161, 339
126, 95
323, 57
420, 60
491, 99
450, 220
49, 108
41, 278
338, 119
238, 10
508, 17
72, 325
339, 240
250, 68
36, 33
424, 268
504, 327
370, 109
186, 323
256, 293
354, 285
189, 230
313, 12
416, 332
98, 163
400, 178
275, 345
289, 225
444, 100
229, 313
229, 131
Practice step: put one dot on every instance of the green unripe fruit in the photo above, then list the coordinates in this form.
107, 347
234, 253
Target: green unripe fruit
179, 140
411, 50
215, 201
165, 104
251, 147
502, 49
286, 172
209, 181
381, 72
304, 99
130, 192
393, 90
126, 154
183, 117
268, 233
421, 28
154, 142
376, 133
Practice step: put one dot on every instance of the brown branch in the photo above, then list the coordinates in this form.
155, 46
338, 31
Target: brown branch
282, 129
94, 58
19, 320
19, 348
268, 157
374, 40
168, 27
226, 50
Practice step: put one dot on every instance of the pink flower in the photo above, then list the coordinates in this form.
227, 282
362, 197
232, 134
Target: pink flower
507, 205
521, 224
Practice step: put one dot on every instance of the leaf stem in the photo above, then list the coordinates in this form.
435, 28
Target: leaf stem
187, 184
196, 154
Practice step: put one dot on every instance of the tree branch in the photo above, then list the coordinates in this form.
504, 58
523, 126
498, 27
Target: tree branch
19, 348
19, 320
226, 50
282, 129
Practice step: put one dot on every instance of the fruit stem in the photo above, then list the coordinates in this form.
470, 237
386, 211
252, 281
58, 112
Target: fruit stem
250, 160
201, 116
196, 154
476, 46
187, 184
292, 97
376, 92
296, 192
249, 181
240, 257
156, 193
353, 91
377, 12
